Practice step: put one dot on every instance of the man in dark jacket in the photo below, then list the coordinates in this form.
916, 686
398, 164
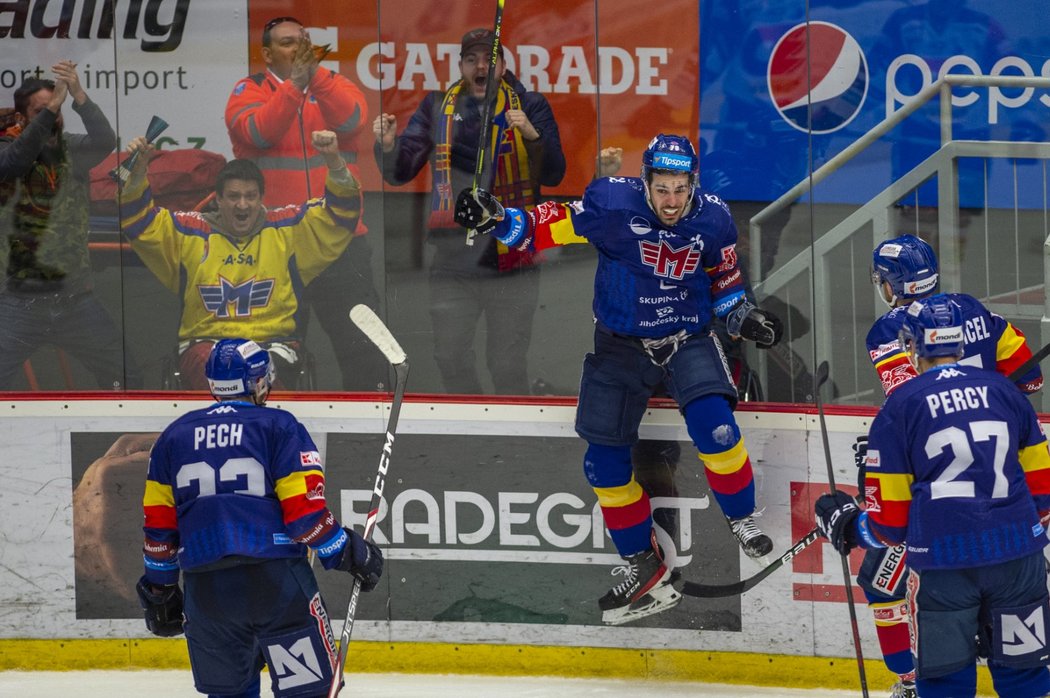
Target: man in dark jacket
44, 195
487, 279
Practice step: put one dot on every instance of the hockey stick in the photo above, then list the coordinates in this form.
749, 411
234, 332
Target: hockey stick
1027, 365
369, 323
821, 378
719, 590
486, 114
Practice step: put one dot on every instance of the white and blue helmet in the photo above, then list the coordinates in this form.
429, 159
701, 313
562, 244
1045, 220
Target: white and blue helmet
933, 327
239, 367
670, 154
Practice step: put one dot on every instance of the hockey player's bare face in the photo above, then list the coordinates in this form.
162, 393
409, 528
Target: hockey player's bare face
474, 65
239, 205
670, 195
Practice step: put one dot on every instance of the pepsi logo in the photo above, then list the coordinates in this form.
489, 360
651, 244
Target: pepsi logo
817, 77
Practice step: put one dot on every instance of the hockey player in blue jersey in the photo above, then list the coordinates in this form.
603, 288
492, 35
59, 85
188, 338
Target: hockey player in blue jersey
234, 498
666, 265
905, 269
957, 466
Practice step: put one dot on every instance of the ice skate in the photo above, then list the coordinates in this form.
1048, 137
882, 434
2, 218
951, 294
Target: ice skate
904, 689
755, 543
646, 590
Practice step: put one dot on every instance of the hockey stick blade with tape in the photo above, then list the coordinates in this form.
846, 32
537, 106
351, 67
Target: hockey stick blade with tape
369, 323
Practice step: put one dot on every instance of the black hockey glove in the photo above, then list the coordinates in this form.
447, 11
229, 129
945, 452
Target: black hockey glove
162, 607
860, 454
361, 558
751, 322
482, 212
836, 513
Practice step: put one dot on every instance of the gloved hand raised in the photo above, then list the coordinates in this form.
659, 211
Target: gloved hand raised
361, 558
162, 607
836, 513
751, 322
481, 211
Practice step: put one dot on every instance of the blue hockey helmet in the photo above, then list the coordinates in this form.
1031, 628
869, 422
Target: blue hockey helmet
670, 154
908, 264
239, 367
933, 327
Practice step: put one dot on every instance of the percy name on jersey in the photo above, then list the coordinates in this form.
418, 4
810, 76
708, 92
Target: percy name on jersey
957, 400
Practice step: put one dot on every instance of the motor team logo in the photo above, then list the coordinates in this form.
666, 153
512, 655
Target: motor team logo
817, 77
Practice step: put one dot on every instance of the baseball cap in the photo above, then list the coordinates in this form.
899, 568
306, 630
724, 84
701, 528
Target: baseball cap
478, 37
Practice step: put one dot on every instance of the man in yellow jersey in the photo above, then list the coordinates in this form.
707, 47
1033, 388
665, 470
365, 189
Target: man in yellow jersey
241, 270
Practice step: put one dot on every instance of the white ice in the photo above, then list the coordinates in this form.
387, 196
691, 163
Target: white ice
179, 684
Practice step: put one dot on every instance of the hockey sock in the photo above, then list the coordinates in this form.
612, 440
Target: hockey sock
625, 505
726, 463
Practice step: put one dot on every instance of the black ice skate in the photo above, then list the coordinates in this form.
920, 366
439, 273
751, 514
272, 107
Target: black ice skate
755, 543
646, 590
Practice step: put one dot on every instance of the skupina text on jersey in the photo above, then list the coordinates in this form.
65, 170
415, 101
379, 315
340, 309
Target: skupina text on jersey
652, 280
958, 467
991, 342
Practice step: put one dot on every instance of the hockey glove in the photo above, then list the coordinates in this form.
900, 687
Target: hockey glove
836, 514
751, 322
162, 607
860, 454
359, 557
482, 212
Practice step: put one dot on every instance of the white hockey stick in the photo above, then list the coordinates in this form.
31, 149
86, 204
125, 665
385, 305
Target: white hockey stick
369, 323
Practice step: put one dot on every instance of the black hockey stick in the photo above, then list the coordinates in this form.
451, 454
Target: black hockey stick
719, 590
486, 114
821, 377
1027, 365
369, 323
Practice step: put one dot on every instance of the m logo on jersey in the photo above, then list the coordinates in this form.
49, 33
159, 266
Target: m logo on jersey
674, 263
243, 297
296, 665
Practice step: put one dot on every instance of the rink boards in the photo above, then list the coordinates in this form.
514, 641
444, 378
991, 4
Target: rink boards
491, 533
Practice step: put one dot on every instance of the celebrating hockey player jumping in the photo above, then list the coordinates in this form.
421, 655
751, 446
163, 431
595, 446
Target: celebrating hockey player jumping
667, 264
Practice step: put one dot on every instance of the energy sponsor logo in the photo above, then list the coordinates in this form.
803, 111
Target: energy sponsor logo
558, 528
817, 77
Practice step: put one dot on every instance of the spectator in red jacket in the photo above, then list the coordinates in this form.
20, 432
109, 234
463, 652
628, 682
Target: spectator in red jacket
269, 116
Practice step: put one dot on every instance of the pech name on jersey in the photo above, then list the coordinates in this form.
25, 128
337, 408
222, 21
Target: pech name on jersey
217, 436
957, 400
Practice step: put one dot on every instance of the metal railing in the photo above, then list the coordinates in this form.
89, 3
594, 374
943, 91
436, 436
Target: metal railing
876, 219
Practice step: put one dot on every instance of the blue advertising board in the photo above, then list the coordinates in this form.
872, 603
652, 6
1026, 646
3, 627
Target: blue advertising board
782, 91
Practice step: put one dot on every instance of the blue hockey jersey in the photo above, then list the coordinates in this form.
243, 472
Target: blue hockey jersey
651, 280
991, 342
232, 479
958, 467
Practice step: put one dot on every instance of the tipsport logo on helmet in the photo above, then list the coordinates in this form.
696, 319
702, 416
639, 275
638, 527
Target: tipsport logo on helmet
663, 161
817, 77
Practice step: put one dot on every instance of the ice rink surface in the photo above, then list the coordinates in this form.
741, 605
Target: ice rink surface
179, 684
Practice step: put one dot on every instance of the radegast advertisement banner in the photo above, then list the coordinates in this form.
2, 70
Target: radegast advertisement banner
511, 534
774, 90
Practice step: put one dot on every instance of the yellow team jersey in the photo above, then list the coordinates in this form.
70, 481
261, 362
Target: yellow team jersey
241, 287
